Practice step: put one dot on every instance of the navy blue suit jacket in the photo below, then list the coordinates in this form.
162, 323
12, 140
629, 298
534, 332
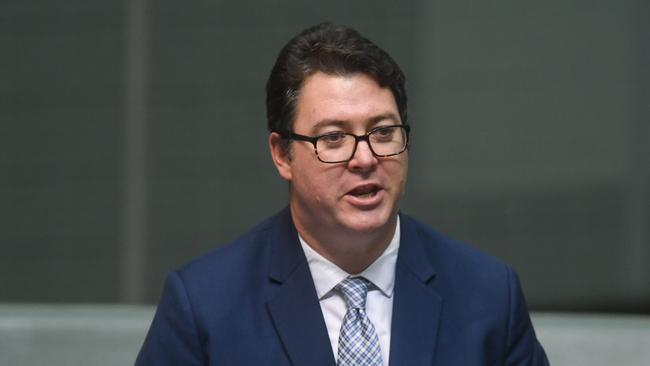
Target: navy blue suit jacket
253, 302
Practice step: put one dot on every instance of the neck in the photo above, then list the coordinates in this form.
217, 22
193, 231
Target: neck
351, 251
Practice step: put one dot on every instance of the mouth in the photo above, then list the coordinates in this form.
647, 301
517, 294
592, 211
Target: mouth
365, 191
366, 196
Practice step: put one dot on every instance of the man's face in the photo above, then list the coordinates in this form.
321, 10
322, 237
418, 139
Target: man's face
357, 196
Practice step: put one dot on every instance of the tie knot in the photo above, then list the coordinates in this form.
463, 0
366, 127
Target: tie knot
354, 290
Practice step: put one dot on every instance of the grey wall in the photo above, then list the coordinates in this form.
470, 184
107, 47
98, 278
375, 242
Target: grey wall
133, 138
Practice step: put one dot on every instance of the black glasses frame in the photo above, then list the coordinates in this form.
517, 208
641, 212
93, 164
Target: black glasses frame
365, 137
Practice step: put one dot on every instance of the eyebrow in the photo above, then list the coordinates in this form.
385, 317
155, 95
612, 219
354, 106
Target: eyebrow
341, 123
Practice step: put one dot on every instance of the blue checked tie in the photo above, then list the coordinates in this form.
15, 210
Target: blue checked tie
358, 341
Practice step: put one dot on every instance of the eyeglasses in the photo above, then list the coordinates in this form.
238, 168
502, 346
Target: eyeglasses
339, 147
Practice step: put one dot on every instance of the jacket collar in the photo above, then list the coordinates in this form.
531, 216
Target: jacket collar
417, 306
293, 304
296, 313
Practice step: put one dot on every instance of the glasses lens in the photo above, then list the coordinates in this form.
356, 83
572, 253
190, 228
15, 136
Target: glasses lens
388, 140
335, 147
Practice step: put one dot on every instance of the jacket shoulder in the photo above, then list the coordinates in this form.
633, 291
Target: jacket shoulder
449, 255
242, 257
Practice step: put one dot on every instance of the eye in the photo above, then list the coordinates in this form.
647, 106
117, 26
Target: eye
383, 133
333, 138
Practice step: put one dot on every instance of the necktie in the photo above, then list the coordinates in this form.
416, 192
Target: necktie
358, 341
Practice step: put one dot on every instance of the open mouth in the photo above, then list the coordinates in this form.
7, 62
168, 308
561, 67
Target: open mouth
365, 191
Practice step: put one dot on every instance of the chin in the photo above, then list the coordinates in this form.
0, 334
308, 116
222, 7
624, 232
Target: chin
367, 222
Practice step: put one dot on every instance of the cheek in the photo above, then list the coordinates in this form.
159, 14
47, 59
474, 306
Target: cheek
321, 189
310, 182
316, 182
397, 171
405, 171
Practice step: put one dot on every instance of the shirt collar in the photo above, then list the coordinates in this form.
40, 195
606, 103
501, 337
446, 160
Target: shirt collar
381, 272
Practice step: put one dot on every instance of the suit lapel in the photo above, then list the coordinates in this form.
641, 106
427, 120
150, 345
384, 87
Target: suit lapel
293, 303
294, 308
416, 307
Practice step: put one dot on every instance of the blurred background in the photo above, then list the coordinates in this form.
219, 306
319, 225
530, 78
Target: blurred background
133, 138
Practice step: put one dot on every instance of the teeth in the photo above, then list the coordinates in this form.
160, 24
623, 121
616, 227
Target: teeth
367, 195
365, 192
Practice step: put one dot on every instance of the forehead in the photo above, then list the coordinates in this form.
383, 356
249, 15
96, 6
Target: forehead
354, 100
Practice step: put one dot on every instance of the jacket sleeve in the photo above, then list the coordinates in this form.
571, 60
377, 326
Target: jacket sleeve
522, 346
173, 338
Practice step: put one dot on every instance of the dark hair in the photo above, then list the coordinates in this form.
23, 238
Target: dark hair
331, 49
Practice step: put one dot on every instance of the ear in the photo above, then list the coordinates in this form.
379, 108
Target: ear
280, 156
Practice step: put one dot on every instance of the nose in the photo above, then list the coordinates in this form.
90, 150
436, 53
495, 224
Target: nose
363, 158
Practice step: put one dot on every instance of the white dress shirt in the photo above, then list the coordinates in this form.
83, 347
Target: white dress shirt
379, 303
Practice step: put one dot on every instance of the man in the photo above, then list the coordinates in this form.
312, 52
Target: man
339, 277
